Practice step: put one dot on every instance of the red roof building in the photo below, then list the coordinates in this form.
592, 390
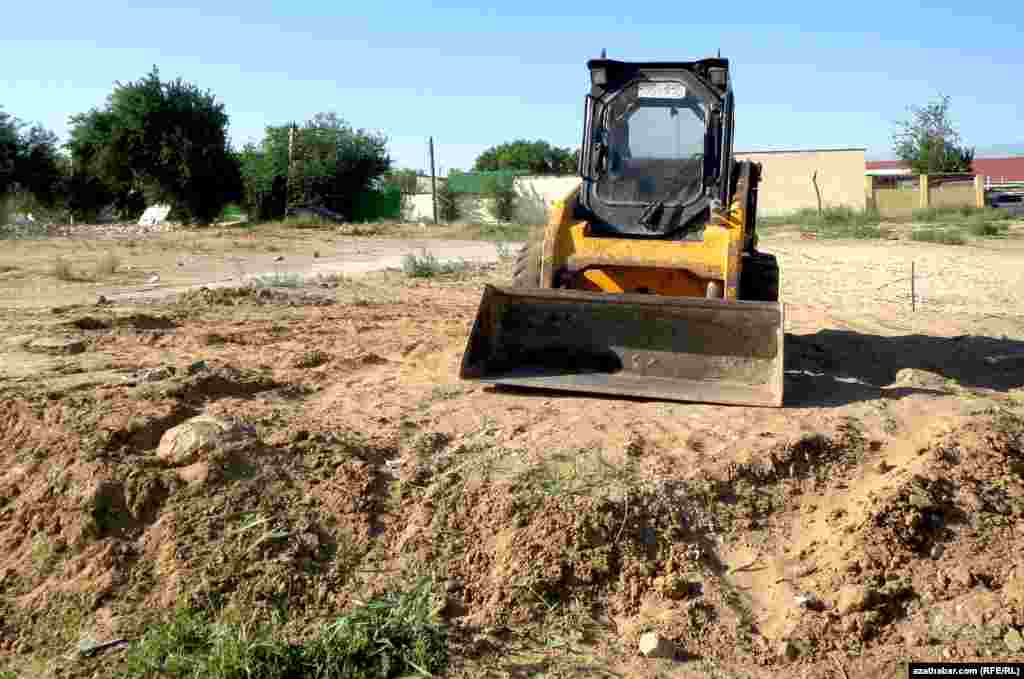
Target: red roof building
994, 170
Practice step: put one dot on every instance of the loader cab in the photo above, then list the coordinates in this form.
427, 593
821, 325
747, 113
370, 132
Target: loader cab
657, 147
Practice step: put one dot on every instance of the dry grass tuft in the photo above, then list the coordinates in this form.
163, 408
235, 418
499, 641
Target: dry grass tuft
107, 264
62, 269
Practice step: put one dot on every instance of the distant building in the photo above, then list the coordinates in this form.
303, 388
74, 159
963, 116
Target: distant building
994, 170
788, 179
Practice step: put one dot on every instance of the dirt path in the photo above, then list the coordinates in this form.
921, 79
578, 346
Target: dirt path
349, 256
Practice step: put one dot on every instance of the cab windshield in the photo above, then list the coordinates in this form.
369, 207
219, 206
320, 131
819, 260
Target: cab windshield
653, 134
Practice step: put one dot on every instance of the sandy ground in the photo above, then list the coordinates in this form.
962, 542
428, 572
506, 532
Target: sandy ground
874, 519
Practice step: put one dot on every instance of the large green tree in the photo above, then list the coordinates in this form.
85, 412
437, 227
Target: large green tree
324, 162
929, 142
9, 146
536, 157
30, 164
158, 141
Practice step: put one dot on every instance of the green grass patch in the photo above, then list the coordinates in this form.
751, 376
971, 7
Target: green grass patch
396, 635
277, 280
831, 222
933, 215
31, 231
504, 231
984, 229
426, 265
941, 236
232, 213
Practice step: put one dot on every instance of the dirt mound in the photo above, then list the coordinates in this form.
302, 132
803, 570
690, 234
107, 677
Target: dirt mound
935, 532
253, 294
123, 319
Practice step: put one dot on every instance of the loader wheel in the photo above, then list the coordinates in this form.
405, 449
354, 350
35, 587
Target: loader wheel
526, 270
759, 278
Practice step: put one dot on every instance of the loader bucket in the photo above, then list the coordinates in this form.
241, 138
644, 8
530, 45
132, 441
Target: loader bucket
663, 348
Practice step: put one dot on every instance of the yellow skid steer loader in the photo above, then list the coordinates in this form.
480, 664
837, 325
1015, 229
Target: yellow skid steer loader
646, 280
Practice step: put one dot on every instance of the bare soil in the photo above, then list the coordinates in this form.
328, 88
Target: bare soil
875, 519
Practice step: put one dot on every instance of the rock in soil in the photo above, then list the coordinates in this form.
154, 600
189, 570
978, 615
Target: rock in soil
854, 598
181, 445
1014, 641
653, 645
56, 345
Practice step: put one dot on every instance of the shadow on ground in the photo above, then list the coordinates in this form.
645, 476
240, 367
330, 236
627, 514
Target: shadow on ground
837, 367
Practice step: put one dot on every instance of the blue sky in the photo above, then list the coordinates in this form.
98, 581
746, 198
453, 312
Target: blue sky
806, 74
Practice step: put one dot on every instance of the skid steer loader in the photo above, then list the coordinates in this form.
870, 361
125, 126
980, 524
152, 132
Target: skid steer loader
646, 281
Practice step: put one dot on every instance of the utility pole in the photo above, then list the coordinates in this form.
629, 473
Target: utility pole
433, 180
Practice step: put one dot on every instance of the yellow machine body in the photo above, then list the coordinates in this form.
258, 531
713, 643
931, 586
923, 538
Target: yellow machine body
654, 317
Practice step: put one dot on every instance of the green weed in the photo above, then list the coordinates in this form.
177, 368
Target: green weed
426, 265
277, 280
933, 215
832, 222
505, 231
394, 636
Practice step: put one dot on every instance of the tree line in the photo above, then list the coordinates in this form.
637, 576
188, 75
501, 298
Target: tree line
156, 141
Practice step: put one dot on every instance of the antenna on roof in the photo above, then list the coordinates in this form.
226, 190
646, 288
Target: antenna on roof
719, 52
603, 53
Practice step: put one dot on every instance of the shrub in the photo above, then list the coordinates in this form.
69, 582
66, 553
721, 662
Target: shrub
426, 265
931, 215
943, 236
502, 197
832, 222
976, 228
277, 280
447, 205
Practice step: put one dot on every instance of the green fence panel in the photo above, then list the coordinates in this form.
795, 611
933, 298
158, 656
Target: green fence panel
474, 182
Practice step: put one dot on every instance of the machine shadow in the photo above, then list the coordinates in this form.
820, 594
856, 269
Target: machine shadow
833, 368
837, 367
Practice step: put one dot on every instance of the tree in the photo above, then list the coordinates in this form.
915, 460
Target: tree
405, 180
447, 203
502, 197
160, 142
30, 164
929, 142
332, 165
9, 147
536, 157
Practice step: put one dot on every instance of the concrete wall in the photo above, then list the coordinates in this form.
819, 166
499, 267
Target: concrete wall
953, 194
535, 194
918, 192
786, 179
785, 186
896, 203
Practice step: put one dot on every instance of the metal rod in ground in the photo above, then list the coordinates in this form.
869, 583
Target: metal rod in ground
433, 180
913, 288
